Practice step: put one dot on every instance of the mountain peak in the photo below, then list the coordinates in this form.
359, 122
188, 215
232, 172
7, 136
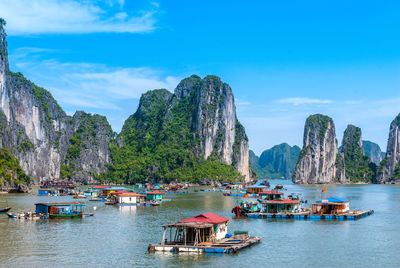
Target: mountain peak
3, 48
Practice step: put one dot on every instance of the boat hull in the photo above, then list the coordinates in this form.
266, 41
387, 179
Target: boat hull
4, 210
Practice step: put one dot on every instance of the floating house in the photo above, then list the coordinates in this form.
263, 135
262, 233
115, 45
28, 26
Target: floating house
270, 195
203, 233
281, 206
255, 189
331, 206
66, 210
128, 199
107, 191
155, 196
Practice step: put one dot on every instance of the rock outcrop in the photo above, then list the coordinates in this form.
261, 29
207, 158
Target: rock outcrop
317, 162
35, 128
197, 122
374, 152
276, 162
358, 167
389, 170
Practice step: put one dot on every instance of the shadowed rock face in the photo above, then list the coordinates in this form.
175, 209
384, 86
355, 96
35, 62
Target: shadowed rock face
358, 166
389, 169
276, 162
373, 150
38, 132
317, 160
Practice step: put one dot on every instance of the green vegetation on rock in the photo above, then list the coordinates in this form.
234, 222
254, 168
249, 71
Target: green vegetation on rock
10, 169
359, 168
277, 162
158, 142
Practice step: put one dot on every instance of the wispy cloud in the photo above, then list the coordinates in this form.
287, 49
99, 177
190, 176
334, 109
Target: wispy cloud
87, 85
301, 101
242, 102
73, 16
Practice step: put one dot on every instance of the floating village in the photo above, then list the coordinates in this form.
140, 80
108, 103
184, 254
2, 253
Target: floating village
204, 233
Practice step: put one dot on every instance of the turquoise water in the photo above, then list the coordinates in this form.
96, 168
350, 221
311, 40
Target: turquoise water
120, 235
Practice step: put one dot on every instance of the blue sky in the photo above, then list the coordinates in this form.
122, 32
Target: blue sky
283, 59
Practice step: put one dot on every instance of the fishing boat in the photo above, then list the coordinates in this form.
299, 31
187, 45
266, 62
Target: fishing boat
242, 207
4, 210
204, 233
26, 216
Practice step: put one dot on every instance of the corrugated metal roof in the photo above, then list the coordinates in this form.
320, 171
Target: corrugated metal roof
206, 218
333, 199
281, 201
271, 192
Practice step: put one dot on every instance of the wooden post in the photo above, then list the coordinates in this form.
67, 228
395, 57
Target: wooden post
163, 237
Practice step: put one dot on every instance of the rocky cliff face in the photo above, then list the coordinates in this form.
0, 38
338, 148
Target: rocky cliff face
317, 160
36, 129
358, 167
193, 129
276, 162
390, 166
214, 122
373, 150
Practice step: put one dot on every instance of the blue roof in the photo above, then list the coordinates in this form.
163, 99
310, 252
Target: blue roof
334, 199
256, 186
117, 188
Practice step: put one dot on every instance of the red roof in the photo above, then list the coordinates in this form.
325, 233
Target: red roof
282, 201
206, 218
271, 192
155, 192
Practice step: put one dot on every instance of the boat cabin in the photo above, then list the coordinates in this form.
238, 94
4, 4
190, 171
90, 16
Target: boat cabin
280, 206
271, 195
155, 196
331, 206
66, 208
199, 230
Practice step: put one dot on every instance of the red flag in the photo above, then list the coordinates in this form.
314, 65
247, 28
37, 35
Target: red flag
323, 190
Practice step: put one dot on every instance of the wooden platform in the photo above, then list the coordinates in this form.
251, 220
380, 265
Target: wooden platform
352, 215
227, 245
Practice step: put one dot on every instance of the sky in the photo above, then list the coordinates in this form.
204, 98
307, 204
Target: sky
284, 60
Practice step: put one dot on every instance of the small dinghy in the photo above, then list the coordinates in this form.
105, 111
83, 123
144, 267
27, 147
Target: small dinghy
4, 210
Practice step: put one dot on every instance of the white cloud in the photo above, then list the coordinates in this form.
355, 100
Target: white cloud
87, 85
301, 101
73, 16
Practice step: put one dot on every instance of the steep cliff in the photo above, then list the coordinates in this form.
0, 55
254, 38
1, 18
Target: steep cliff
389, 169
373, 150
359, 167
36, 130
318, 161
88, 152
191, 134
276, 162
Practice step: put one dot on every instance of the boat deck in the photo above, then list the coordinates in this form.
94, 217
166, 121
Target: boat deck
227, 245
306, 215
